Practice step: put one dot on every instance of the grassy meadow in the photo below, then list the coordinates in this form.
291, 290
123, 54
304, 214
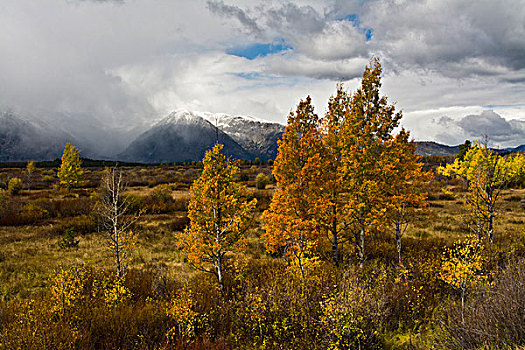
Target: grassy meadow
171, 305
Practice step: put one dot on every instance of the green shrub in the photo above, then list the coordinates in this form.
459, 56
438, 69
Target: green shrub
48, 178
68, 239
352, 315
4, 198
162, 193
14, 186
161, 201
261, 180
33, 213
134, 202
4, 180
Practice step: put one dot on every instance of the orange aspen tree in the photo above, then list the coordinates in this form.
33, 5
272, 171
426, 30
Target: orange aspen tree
366, 136
331, 199
405, 183
291, 225
219, 214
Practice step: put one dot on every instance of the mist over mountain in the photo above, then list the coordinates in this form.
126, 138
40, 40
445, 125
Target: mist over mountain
181, 136
94, 137
22, 140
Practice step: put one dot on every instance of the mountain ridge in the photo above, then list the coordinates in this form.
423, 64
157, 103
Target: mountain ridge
180, 136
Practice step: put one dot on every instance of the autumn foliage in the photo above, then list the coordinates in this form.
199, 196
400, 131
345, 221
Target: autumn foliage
292, 227
354, 245
70, 172
344, 176
485, 174
219, 214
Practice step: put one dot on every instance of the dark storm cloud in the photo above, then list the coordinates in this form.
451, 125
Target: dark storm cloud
457, 38
476, 126
493, 125
454, 37
220, 8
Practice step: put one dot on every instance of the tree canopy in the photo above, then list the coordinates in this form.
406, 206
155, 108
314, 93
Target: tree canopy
345, 175
219, 214
70, 172
485, 173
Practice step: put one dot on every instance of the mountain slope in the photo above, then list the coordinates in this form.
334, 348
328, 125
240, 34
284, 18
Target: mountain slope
431, 148
181, 136
258, 137
21, 140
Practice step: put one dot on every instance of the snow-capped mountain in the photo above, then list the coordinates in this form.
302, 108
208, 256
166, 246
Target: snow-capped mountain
257, 136
186, 135
181, 136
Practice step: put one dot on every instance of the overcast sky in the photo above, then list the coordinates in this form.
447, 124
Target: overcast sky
455, 68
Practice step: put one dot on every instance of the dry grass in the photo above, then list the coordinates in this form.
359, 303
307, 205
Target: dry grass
30, 254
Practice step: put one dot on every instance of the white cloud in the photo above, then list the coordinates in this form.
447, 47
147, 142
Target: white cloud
217, 82
453, 125
291, 64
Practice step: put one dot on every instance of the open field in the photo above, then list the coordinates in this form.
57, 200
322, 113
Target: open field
35, 220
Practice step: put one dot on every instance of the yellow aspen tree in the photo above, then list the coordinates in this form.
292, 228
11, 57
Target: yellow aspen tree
67, 287
366, 136
181, 309
30, 170
486, 173
462, 266
519, 169
291, 225
219, 214
70, 172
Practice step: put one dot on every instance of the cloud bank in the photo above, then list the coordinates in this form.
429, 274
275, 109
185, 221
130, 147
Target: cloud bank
121, 64
500, 132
